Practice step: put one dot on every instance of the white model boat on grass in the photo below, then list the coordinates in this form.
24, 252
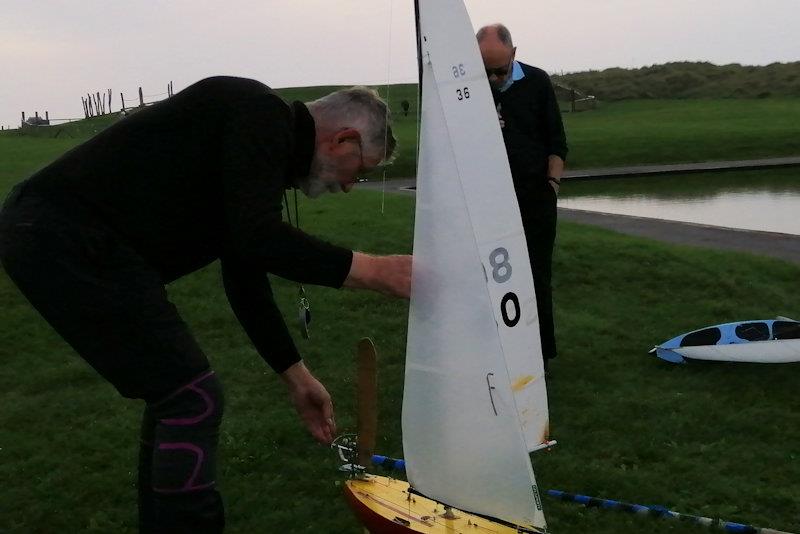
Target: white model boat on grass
759, 341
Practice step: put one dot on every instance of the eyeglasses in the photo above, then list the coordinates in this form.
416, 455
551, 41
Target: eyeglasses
362, 168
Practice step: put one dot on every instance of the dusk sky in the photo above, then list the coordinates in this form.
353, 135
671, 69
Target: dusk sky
54, 51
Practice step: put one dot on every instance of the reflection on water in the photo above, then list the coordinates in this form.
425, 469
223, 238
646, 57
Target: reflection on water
752, 200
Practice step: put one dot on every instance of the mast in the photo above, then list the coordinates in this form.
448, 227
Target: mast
419, 74
419, 48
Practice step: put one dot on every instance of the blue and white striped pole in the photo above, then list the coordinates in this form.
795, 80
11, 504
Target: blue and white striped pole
660, 511
394, 464
609, 504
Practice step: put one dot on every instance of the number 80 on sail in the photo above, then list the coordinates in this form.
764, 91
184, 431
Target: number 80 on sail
501, 273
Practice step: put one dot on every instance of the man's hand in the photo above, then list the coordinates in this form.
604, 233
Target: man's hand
555, 169
390, 275
312, 402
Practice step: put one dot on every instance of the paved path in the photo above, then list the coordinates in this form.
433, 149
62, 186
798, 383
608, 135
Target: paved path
782, 246
775, 245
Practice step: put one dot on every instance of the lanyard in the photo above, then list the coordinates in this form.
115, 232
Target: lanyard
303, 307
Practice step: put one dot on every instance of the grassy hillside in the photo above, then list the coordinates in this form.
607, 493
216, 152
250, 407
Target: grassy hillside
676, 131
688, 80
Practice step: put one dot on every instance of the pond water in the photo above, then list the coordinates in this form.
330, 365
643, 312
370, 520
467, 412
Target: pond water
766, 200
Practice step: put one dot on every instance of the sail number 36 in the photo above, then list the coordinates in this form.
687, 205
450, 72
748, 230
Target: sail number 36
458, 72
501, 273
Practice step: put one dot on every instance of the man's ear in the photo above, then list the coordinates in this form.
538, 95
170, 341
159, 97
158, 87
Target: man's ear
513, 53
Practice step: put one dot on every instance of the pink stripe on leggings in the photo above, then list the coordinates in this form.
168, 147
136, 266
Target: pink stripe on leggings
199, 457
192, 386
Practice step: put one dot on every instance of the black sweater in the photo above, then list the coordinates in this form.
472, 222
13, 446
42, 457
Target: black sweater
533, 129
201, 176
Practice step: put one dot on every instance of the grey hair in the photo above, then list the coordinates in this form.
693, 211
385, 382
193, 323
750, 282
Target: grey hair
363, 109
502, 34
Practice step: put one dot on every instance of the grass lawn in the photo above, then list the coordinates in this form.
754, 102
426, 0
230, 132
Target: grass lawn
616, 133
717, 440
674, 131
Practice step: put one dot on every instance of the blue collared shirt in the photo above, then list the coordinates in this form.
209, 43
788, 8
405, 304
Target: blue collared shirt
516, 74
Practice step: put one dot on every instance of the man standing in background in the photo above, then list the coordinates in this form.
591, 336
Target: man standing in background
537, 148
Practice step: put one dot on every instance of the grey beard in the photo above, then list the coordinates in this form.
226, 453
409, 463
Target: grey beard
321, 179
312, 187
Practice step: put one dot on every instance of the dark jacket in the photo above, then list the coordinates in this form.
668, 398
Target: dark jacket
201, 176
533, 129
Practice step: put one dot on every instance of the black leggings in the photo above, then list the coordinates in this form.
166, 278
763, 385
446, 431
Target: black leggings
112, 308
177, 460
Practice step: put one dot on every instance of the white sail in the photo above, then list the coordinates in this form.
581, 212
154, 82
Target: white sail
475, 399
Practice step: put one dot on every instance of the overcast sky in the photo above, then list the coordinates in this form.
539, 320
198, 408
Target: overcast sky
54, 51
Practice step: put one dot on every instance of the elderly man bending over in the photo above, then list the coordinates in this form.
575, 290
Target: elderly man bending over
92, 239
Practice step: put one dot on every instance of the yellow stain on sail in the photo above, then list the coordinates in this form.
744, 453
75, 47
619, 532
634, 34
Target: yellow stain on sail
522, 382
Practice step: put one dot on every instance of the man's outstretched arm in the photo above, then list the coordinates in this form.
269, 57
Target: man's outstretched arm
390, 275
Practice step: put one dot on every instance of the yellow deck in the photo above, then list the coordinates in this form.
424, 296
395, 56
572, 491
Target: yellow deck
385, 506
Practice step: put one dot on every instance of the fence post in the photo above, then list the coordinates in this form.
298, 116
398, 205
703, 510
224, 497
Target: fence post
100, 105
109, 100
23, 119
47, 116
89, 100
141, 97
122, 98
85, 109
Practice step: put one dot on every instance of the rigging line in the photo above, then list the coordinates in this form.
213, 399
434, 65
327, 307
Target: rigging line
388, 112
